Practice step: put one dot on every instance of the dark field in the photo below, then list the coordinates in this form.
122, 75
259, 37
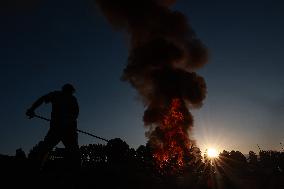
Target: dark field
115, 165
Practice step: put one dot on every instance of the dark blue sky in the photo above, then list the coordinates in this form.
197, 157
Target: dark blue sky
54, 42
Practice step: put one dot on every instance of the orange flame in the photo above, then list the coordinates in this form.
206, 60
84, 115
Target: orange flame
170, 152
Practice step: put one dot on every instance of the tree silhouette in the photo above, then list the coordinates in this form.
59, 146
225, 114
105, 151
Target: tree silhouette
252, 160
20, 154
115, 165
117, 151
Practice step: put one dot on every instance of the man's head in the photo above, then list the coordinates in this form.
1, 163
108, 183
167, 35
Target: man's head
68, 88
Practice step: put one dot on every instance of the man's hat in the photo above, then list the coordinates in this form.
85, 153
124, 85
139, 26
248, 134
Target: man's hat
68, 88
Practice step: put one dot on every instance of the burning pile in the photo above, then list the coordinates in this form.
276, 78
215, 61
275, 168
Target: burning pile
164, 54
170, 134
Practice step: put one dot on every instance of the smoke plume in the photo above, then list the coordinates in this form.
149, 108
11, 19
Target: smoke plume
164, 54
18, 6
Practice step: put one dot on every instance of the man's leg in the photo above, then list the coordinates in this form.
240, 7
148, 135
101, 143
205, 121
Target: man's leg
51, 139
70, 141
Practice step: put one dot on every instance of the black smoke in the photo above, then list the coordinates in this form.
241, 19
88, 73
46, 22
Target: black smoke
163, 57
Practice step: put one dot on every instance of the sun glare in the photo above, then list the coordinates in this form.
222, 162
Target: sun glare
212, 153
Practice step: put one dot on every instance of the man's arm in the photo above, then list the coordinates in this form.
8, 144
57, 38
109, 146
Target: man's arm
31, 111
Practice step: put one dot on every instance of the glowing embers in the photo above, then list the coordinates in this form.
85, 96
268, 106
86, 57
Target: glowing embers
172, 145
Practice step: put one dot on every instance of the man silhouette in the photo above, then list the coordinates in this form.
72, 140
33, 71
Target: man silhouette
63, 124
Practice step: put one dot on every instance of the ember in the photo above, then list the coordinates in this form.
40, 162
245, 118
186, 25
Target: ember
173, 144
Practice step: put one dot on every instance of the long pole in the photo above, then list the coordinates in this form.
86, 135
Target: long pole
80, 131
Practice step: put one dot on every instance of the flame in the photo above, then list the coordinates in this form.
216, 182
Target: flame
175, 143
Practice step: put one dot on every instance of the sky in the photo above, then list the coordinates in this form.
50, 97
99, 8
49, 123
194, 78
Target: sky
47, 44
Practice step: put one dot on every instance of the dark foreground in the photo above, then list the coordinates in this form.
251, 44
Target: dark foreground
115, 165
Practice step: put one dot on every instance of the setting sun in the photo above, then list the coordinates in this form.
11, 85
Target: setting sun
212, 153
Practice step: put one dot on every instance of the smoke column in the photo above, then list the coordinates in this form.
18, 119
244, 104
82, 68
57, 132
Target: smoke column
163, 57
